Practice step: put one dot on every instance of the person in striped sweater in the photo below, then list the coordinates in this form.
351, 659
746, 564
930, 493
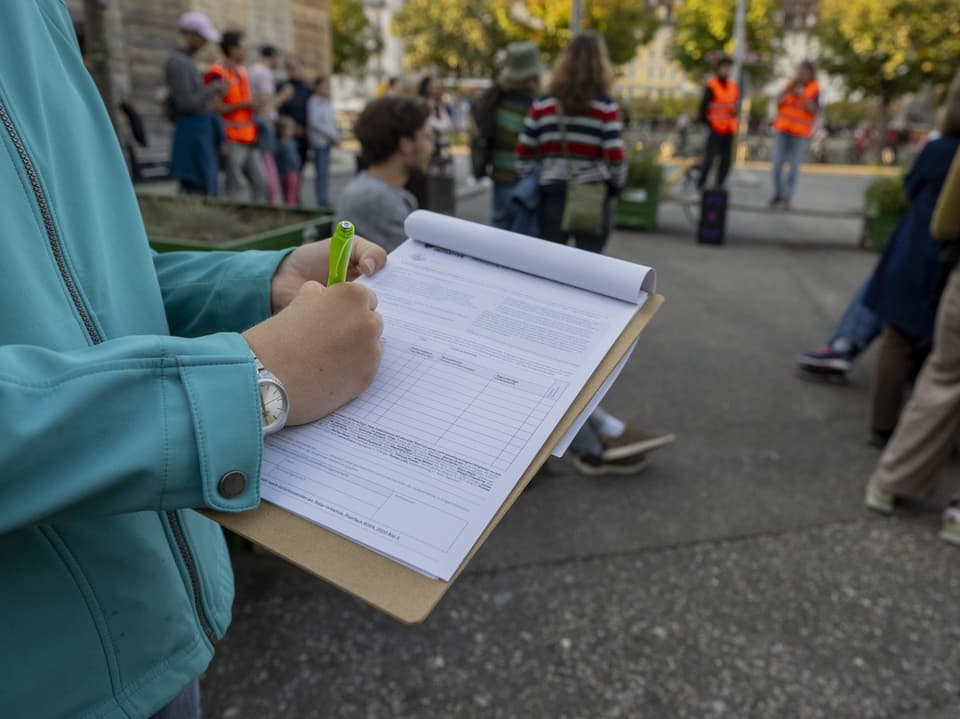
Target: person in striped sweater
579, 91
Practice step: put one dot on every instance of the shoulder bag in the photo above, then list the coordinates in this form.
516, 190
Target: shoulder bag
584, 204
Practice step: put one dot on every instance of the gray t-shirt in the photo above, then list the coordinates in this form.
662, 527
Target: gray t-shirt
378, 210
188, 94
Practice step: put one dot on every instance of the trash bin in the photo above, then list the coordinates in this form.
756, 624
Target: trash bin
436, 189
713, 217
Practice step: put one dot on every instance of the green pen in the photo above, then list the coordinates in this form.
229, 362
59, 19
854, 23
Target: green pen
340, 247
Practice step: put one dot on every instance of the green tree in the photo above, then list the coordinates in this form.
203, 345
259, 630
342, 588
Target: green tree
454, 37
355, 39
702, 27
624, 24
845, 113
888, 48
759, 108
463, 37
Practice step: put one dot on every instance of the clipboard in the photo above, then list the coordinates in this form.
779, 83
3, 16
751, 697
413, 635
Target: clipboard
391, 587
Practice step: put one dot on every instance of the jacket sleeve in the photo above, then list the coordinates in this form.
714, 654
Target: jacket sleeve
919, 175
614, 153
137, 423
946, 217
207, 292
528, 143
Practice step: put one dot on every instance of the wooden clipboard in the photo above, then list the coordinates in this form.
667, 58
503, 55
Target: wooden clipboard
391, 587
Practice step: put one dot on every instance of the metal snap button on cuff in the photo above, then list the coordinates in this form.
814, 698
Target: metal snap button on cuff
232, 484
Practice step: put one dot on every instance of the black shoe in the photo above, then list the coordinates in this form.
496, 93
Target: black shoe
774, 201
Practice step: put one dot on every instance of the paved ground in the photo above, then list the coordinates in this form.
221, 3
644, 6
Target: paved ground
737, 577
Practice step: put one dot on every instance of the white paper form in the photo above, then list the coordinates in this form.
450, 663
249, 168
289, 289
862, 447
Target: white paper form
566, 440
480, 365
561, 263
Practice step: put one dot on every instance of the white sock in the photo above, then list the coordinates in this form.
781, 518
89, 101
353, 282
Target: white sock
612, 427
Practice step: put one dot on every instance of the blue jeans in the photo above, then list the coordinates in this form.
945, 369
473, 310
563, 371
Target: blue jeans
186, 705
859, 325
321, 183
792, 149
503, 211
588, 442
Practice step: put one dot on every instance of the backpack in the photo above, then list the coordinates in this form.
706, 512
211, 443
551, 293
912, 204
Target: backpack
484, 114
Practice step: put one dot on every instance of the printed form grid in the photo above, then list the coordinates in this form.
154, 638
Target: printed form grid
455, 406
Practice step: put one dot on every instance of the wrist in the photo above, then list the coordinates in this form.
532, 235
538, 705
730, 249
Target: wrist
274, 400
283, 285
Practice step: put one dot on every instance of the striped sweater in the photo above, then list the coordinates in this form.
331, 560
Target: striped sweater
594, 144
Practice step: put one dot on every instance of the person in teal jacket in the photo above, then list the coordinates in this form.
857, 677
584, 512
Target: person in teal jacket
130, 396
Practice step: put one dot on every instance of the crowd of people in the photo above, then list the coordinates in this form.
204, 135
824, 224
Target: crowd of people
520, 143
259, 131
910, 303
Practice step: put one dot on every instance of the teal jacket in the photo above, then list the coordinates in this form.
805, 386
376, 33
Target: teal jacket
126, 394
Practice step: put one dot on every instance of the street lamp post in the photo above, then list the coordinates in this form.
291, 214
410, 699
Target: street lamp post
739, 40
739, 55
576, 17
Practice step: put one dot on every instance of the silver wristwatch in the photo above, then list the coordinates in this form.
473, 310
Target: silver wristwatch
274, 405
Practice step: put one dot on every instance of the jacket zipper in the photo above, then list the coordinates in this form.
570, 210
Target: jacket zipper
181, 538
94, 335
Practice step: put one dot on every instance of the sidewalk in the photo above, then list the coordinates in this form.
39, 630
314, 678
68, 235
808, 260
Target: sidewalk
738, 577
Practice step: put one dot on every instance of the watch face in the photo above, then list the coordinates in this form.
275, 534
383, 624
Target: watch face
273, 402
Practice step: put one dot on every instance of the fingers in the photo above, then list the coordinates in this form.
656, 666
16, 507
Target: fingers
356, 293
311, 288
367, 256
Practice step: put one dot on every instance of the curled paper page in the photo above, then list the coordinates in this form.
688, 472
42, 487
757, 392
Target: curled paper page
587, 270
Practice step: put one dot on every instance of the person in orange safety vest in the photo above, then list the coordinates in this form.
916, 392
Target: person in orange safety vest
798, 106
243, 162
718, 109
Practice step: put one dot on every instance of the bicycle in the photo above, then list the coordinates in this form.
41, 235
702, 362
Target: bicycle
691, 192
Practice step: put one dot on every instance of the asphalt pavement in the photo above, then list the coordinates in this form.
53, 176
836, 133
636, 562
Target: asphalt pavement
739, 576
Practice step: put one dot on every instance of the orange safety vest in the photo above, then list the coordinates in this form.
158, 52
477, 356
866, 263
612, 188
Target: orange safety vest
792, 117
238, 124
722, 110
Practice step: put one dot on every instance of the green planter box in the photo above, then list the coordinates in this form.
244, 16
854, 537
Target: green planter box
884, 204
637, 209
879, 229
878, 225
200, 223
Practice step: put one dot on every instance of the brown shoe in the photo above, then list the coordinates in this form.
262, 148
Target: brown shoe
634, 441
601, 467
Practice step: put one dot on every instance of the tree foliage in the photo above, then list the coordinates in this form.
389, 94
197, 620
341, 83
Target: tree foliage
463, 37
453, 37
355, 39
887, 48
705, 26
624, 24
846, 113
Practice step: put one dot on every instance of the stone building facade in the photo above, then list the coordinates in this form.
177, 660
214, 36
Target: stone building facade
141, 33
